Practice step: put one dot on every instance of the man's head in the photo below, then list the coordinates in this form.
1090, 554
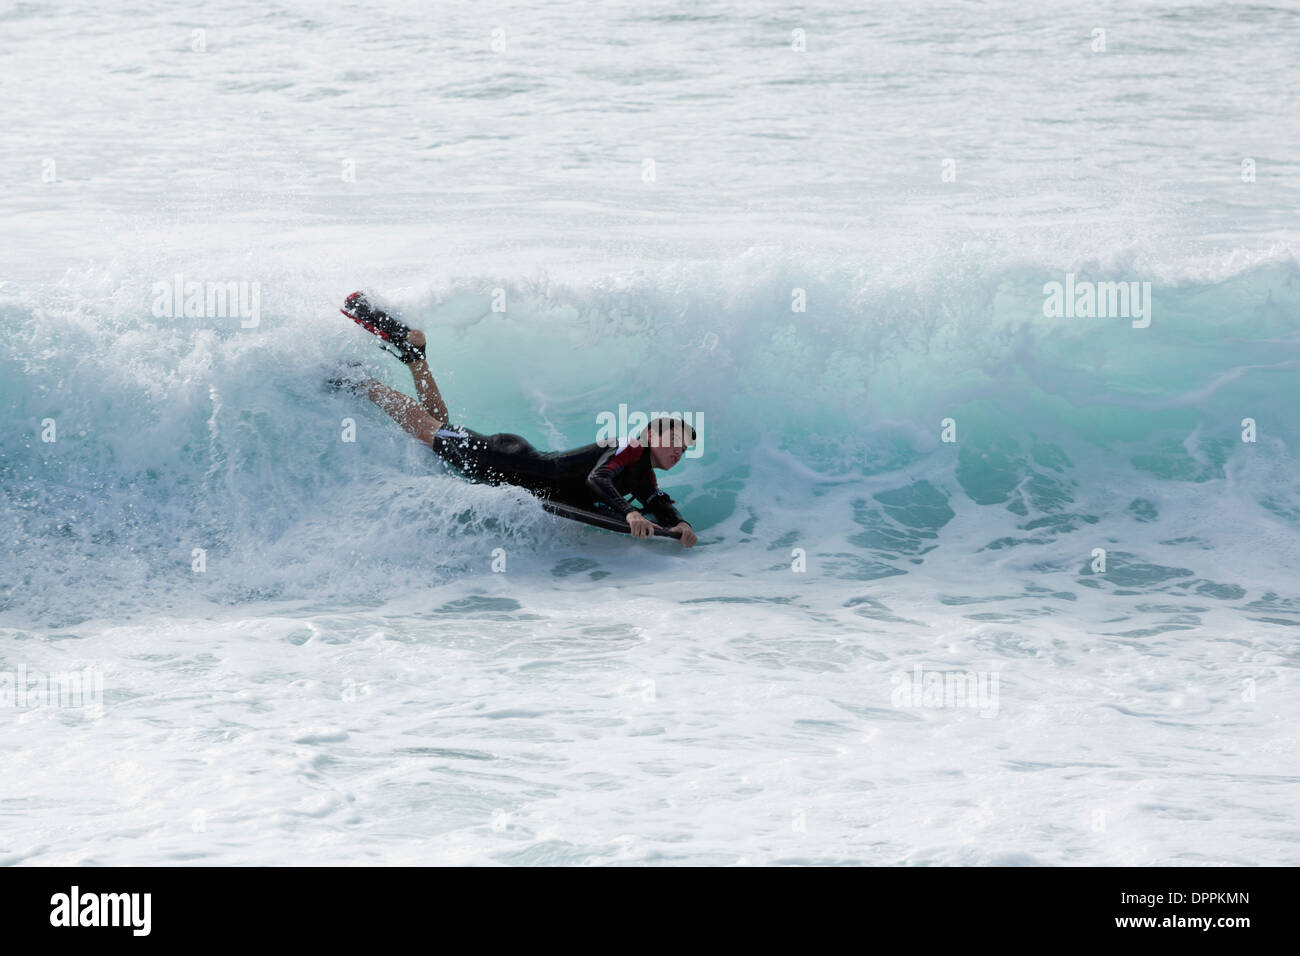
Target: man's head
667, 439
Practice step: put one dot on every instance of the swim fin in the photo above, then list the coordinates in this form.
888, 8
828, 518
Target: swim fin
348, 377
391, 332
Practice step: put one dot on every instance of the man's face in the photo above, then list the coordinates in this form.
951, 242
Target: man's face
665, 456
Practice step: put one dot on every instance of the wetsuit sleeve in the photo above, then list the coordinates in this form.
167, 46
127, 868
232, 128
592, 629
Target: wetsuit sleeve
609, 467
655, 501
661, 506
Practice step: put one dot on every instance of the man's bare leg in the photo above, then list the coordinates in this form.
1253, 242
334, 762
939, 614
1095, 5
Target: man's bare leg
427, 388
406, 411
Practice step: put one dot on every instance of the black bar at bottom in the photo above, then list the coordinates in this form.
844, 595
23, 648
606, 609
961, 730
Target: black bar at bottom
338, 907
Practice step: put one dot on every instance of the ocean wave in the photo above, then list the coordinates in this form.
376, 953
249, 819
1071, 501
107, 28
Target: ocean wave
917, 419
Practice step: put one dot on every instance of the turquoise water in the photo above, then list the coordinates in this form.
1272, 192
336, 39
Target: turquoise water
375, 661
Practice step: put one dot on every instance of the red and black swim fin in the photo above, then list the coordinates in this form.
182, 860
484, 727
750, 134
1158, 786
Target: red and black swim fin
392, 333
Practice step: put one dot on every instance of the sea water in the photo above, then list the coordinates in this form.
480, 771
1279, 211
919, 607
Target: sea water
982, 578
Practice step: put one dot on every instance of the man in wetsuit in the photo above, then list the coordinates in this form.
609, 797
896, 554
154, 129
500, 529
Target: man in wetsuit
592, 475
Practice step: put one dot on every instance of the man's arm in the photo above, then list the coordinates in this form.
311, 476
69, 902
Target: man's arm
610, 466
662, 507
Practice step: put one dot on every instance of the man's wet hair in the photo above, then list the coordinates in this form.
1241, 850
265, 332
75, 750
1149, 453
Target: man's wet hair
665, 431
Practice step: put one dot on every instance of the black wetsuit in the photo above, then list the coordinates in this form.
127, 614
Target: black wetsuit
595, 476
